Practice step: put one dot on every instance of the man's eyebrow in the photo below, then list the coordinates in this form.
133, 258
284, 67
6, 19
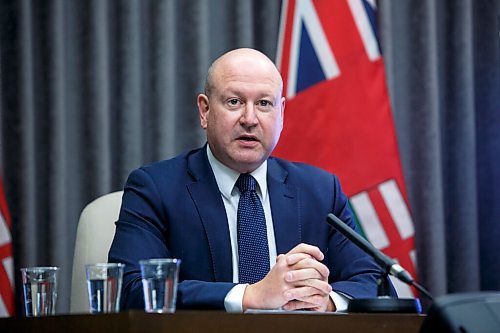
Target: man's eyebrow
232, 92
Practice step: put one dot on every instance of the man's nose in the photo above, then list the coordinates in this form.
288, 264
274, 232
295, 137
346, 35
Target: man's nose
249, 116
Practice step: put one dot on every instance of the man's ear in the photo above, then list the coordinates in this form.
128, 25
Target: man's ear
283, 102
203, 109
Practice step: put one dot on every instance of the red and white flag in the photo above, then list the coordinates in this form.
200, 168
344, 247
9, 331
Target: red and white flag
6, 260
338, 115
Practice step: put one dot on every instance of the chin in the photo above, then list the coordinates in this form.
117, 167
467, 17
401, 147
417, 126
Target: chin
247, 166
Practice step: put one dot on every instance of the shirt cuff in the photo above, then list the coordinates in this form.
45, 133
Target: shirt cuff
340, 301
233, 302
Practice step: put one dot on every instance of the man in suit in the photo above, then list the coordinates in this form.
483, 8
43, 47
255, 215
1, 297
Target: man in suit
193, 207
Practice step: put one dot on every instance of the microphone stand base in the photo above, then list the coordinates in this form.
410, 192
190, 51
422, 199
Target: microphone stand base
385, 305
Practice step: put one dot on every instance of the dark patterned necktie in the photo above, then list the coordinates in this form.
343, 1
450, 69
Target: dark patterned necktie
253, 249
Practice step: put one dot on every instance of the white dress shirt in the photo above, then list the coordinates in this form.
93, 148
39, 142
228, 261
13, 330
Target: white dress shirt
226, 180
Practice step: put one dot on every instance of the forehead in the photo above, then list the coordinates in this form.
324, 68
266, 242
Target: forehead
247, 85
247, 74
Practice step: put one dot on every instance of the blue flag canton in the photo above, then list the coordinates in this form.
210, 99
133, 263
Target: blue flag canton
309, 71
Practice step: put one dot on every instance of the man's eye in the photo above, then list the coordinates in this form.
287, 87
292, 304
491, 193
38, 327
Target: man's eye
264, 103
233, 101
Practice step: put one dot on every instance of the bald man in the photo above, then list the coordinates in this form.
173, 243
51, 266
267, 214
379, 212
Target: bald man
189, 208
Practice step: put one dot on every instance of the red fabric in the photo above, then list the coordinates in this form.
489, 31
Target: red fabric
345, 125
6, 289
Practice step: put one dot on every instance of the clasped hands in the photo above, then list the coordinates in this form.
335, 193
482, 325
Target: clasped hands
298, 280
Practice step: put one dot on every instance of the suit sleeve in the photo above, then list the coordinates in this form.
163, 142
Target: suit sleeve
140, 234
353, 272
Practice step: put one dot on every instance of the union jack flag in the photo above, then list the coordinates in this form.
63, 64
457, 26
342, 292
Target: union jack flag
338, 115
6, 260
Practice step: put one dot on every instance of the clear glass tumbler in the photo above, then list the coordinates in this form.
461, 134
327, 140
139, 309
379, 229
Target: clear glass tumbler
159, 281
40, 290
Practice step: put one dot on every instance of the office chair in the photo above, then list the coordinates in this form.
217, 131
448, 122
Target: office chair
96, 229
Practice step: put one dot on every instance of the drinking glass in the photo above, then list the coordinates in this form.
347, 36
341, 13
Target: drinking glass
104, 282
159, 282
40, 290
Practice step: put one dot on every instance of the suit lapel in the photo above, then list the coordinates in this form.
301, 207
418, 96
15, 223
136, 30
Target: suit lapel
206, 197
285, 208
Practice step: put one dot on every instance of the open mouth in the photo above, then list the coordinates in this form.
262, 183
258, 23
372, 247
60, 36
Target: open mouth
247, 138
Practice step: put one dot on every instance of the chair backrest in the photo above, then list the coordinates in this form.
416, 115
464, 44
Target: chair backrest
96, 229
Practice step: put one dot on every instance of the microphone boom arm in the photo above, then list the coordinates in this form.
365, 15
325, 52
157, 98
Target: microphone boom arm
387, 264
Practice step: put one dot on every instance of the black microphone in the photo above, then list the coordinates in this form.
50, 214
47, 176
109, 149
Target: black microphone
388, 265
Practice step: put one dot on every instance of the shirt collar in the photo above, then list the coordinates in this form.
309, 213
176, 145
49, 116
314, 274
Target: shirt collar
227, 177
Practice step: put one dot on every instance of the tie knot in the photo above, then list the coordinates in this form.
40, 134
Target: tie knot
246, 182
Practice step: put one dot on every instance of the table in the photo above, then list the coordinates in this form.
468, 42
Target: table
215, 321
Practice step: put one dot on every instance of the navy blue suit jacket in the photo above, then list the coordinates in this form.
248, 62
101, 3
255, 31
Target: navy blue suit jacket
173, 209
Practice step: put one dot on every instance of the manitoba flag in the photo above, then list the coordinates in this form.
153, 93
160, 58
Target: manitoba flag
6, 260
338, 115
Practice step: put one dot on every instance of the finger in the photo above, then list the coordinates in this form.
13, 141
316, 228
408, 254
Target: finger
315, 300
298, 305
312, 250
281, 258
303, 292
309, 263
314, 303
293, 258
302, 274
320, 287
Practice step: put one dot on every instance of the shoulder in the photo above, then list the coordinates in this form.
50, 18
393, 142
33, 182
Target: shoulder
313, 184
169, 168
300, 171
